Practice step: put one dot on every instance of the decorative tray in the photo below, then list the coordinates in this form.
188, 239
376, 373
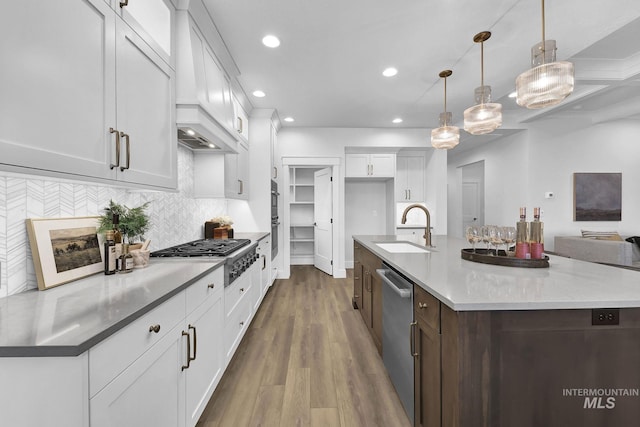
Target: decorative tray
485, 256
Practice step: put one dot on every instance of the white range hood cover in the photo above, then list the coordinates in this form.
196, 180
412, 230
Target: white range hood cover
193, 109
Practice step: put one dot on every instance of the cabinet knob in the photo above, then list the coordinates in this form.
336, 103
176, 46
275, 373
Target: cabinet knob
211, 285
241, 289
422, 305
242, 323
154, 328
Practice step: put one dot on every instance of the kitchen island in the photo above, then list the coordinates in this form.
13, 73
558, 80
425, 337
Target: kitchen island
505, 346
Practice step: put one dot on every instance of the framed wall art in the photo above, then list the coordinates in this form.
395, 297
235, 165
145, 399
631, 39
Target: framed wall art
64, 249
597, 196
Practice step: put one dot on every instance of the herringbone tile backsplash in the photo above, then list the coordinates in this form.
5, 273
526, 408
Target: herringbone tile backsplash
175, 217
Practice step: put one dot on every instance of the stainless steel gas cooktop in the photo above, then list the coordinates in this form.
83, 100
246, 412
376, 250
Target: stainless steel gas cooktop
203, 247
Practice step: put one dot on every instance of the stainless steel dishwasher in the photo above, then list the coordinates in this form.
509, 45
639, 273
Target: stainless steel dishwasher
397, 315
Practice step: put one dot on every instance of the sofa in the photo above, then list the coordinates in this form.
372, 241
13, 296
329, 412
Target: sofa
618, 252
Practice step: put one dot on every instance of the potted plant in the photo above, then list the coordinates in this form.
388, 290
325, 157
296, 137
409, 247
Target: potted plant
134, 222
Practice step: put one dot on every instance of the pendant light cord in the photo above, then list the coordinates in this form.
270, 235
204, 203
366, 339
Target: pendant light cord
482, 72
543, 47
445, 101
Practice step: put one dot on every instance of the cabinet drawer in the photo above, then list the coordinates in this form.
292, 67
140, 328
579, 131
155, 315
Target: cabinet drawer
235, 325
209, 285
234, 292
113, 355
426, 307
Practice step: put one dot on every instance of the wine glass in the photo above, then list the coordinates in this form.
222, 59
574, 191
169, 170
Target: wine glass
473, 236
509, 237
484, 235
495, 236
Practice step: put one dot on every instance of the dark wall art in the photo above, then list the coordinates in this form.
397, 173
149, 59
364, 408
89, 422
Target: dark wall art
597, 196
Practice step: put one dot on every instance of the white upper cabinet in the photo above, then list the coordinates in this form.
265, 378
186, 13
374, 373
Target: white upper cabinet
236, 173
152, 20
58, 110
241, 119
380, 165
410, 178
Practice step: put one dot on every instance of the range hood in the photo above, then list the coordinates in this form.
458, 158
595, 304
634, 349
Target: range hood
204, 107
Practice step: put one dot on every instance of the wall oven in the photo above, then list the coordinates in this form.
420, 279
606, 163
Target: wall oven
275, 222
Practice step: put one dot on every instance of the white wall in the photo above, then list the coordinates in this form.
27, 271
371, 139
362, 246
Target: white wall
521, 168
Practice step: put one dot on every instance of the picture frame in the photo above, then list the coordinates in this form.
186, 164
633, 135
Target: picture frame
64, 249
597, 196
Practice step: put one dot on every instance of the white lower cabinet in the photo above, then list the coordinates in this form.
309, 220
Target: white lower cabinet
238, 310
264, 261
171, 382
207, 366
147, 393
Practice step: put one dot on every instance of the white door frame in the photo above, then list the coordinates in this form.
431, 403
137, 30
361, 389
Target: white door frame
339, 270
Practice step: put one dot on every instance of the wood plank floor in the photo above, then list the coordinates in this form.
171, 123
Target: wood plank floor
306, 360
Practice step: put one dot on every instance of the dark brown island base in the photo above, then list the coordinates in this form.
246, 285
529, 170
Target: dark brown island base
498, 346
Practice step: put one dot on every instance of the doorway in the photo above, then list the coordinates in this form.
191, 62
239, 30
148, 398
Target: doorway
310, 214
472, 193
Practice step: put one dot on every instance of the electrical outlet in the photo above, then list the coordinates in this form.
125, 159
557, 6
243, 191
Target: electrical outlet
605, 316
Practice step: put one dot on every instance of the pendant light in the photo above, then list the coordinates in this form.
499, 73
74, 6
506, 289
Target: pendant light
445, 137
549, 81
486, 116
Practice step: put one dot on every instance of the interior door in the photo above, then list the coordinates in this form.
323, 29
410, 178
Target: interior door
470, 204
322, 221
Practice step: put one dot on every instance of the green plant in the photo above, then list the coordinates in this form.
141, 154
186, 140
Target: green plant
133, 224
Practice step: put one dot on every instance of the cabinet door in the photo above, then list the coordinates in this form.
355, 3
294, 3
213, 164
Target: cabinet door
148, 392
243, 171
383, 165
218, 90
401, 182
376, 308
357, 275
145, 111
240, 119
356, 165
152, 20
57, 97
206, 328
415, 178
426, 375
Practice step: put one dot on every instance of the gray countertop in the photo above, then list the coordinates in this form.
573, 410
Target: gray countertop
465, 285
68, 320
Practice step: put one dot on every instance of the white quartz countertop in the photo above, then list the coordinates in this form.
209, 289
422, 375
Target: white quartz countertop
69, 319
468, 286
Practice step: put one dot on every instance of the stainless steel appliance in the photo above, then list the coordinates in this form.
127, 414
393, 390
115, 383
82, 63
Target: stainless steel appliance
238, 254
275, 222
397, 315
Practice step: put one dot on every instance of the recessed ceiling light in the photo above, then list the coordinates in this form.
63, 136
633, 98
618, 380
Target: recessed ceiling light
270, 41
513, 94
390, 72
259, 94
190, 132
397, 120
289, 119
212, 145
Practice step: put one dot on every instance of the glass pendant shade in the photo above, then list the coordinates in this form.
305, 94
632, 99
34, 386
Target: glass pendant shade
445, 137
486, 116
545, 85
548, 82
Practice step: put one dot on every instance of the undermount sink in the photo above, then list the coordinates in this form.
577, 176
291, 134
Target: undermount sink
402, 247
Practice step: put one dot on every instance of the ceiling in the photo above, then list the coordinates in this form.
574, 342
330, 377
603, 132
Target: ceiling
327, 72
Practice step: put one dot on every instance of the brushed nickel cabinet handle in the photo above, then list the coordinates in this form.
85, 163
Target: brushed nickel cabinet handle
188, 351
409, 194
241, 289
239, 124
422, 305
117, 163
195, 342
126, 139
154, 328
276, 172
211, 285
239, 186
124, 3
